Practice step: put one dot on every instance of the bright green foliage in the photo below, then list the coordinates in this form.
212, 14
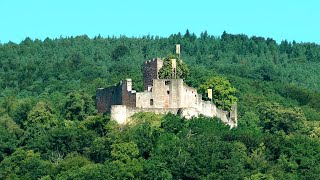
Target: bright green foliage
276, 118
41, 116
142, 135
78, 106
289, 167
166, 71
124, 152
75, 166
223, 94
154, 120
125, 164
20, 110
143, 130
11, 127
260, 176
100, 149
257, 160
49, 128
95, 123
25, 165
156, 169
90, 171
72, 161
60, 141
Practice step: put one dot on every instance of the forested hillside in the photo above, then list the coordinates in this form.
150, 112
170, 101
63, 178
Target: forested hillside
49, 127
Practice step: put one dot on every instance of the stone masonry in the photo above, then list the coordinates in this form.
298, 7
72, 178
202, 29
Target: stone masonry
159, 96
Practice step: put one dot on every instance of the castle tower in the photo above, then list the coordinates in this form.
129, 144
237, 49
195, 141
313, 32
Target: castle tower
128, 83
150, 71
234, 115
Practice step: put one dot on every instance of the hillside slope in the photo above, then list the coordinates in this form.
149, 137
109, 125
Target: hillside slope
49, 127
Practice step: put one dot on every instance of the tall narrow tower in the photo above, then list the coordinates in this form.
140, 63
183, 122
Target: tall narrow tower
178, 50
150, 71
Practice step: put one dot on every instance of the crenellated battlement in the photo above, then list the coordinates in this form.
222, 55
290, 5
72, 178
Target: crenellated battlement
152, 60
151, 70
159, 96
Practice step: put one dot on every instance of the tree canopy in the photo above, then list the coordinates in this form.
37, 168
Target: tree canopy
49, 128
223, 94
167, 71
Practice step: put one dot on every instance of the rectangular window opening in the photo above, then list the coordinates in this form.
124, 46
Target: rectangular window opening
151, 102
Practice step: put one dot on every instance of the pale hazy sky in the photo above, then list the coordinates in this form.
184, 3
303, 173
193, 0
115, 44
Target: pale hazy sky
278, 19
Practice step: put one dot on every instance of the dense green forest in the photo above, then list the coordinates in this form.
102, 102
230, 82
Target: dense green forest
49, 127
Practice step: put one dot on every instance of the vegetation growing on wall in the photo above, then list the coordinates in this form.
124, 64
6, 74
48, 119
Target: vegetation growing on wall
168, 71
49, 128
223, 94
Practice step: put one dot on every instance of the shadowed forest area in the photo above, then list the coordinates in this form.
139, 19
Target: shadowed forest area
50, 129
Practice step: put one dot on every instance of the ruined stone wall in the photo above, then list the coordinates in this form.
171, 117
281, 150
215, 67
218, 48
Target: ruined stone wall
222, 115
105, 97
132, 111
176, 93
115, 95
119, 113
160, 95
143, 99
188, 113
234, 115
171, 93
122, 113
189, 97
167, 93
128, 96
150, 71
102, 97
208, 109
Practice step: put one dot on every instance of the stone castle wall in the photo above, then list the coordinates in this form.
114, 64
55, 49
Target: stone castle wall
160, 96
190, 97
105, 97
166, 93
234, 114
150, 71
122, 113
143, 99
128, 96
120, 94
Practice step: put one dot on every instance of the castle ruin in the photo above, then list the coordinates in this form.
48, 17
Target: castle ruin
160, 96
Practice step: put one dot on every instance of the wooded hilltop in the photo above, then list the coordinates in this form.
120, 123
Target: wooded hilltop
50, 129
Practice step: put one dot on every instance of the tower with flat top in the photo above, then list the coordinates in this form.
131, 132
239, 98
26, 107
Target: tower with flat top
151, 70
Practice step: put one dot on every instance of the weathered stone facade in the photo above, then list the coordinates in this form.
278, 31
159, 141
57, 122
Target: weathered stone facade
160, 96
150, 71
120, 94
